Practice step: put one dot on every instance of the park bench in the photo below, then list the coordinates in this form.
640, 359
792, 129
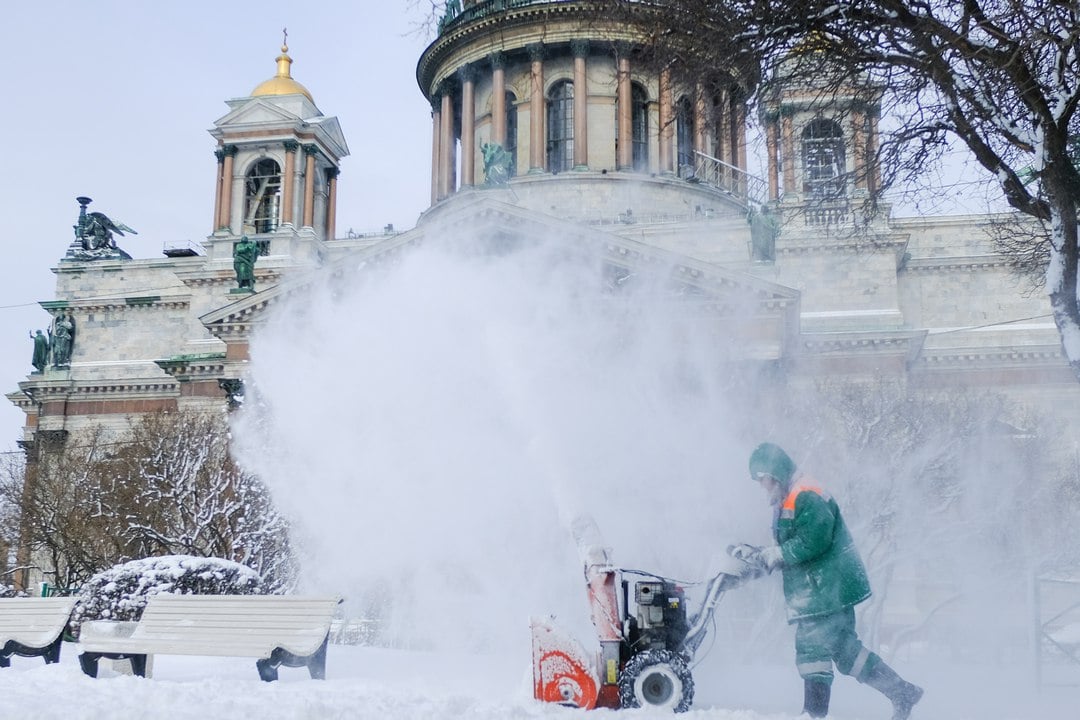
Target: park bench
33, 626
277, 630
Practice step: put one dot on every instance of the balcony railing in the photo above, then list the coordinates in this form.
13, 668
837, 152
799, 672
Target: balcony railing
748, 189
482, 9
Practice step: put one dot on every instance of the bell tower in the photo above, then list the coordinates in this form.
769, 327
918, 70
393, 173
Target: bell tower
278, 160
821, 131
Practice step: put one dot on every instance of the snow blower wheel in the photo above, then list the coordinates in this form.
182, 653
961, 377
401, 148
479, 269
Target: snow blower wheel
656, 679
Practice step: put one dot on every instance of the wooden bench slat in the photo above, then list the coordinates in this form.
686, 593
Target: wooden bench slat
34, 622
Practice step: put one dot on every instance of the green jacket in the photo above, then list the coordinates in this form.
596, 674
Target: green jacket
822, 569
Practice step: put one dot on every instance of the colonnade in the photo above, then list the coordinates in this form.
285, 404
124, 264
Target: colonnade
459, 90
226, 184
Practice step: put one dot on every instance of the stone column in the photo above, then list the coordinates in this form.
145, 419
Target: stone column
309, 185
468, 126
624, 159
220, 155
699, 120
667, 124
772, 132
787, 151
723, 132
446, 144
331, 203
436, 155
872, 151
858, 150
740, 147
537, 107
580, 49
498, 98
225, 221
288, 183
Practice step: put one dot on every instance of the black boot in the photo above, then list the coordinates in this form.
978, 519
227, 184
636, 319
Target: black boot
900, 692
816, 698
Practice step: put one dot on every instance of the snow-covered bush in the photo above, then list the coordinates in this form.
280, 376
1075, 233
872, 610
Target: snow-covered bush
8, 591
121, 592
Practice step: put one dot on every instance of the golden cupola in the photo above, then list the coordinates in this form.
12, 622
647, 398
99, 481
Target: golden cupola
282, 83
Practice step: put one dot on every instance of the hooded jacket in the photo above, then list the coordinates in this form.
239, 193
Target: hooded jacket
822, 571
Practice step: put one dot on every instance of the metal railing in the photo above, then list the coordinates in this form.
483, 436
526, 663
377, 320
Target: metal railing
482, 9
749, 189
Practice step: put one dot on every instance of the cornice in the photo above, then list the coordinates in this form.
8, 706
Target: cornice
883, 342
929, 265
190, 367
127, 304
81, 390
961, 358
473, 40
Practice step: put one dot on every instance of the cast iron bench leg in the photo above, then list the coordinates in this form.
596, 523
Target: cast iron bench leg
88, 662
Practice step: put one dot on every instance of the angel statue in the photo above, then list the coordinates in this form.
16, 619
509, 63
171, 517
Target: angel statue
94, 234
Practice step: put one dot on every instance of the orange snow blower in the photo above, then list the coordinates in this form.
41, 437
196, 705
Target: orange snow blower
646, 646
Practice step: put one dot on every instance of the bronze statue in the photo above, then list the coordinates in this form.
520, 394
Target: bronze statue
62, 339
94, 234
496, 164
41, 351
245, 253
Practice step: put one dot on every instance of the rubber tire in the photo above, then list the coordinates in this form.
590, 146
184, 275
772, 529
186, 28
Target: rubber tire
656, 679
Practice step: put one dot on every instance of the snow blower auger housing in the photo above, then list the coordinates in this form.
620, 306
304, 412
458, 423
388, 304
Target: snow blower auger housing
647, 638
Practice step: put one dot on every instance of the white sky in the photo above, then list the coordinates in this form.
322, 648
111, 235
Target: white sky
112, 99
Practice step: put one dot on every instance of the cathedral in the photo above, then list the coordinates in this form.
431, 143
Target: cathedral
544, 121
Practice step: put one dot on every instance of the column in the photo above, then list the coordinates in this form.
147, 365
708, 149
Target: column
740, 146
331, 203
858, 149
309, 185
537, 136
787, 150
468, 126
667, 124
580, 49
220, 155
624, 98
723, 134
498, 99
436, 137
225, 221
446, 143
772, 132
288, 183
699, 120
872, 152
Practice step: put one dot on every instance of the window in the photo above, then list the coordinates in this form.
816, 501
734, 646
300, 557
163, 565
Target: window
823, 159
639, 122
511, 132
684, 127
262, 197
560, 127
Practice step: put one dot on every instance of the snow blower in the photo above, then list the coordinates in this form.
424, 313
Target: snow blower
647, 638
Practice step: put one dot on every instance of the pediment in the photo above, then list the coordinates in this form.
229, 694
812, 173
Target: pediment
332, 136
257, 111
491, 225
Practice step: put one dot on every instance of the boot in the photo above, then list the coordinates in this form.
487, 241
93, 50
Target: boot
902, 694
816, 698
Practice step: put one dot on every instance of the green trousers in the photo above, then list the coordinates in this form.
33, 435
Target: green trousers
822, 641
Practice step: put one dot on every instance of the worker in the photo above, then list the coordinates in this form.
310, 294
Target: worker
824, 580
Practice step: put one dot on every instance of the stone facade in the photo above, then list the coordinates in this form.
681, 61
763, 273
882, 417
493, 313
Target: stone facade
927, 299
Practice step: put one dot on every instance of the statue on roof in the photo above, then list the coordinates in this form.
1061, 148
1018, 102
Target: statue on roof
95, 235
62, 339
245, 253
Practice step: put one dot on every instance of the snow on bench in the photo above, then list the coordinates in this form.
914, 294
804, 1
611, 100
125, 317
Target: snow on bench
277, 630
33, 626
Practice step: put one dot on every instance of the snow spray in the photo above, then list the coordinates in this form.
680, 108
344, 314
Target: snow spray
434, 425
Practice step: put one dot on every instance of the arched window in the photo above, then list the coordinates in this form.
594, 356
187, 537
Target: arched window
560, 127
823, 159
639, 122
511, 131
262, 197
684, 136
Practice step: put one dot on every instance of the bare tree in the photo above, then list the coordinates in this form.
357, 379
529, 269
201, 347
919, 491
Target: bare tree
168, 486
1000, 76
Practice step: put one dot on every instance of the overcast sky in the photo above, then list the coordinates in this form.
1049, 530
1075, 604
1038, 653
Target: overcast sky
113, 99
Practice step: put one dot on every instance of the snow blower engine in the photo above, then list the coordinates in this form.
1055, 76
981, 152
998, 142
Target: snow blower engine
646, 646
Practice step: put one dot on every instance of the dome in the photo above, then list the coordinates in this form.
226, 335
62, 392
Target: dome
282, 83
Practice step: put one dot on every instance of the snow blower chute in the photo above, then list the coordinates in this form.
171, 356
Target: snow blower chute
647, 638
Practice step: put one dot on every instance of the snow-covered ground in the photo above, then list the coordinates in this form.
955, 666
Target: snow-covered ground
413, 685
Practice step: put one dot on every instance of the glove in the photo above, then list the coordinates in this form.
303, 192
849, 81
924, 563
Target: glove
771, 558
749, 554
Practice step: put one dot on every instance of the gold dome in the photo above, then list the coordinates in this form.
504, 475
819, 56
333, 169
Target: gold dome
282, 83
